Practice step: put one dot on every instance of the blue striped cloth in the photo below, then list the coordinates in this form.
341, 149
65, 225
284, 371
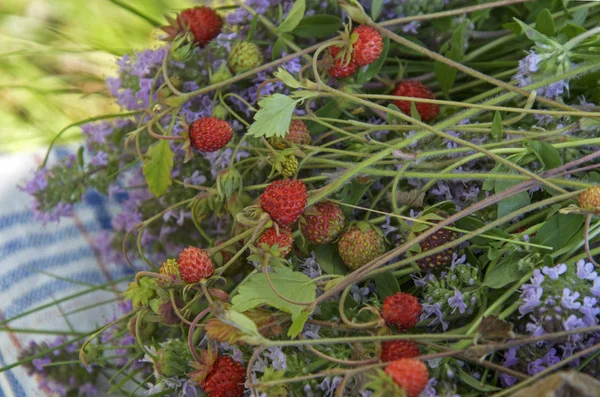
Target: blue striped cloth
64, 250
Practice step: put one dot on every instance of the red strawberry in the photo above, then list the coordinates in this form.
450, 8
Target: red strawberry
283, 239
204, 23
209, 134
195, 265
409, 374
401, 310
226, 379
322, 223
298, 133
427, 111
339, 68
284, 200
397, 349
367, 45
360, 244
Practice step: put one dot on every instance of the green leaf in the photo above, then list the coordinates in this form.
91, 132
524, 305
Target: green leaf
330, 109
387, 285
503, 274
274, 116
536, 36
295, 286
141, 294
352, 193
497, 128
80, 156
546, 154
157, 169
376, 8
277, 47
287, 78
293, 18
372, 70
391, 118
512, 203
317, 26
253, 25
474, 383
414, 113
558, 230
298, 324
545, 24
329, 259
454, 49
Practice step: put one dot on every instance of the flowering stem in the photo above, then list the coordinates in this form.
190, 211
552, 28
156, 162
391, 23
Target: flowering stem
548, 371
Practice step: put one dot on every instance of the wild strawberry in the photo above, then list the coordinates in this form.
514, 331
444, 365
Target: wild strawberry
244, 56
170, 268
298, 133
339, 68
415, 89
397, 349
284, 201
289, 167
203, 22
367, 45
440, 259
195, 265
409, 374
360, 244
590, 199
322, 223
209, 134
401, 310
283, 239
226, 379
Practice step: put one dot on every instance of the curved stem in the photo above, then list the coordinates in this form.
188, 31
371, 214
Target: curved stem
586, 240
191, 334
268, 278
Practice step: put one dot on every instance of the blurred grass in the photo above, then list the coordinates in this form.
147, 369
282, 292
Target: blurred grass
55, 55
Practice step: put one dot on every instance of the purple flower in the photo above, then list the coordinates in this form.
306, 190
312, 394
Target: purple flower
585, 271
554, 272
411, 27
595, 290
456, 302
590, 310
126, 220
551, 358
359, 294
573, 322
37, 183
531, 300
510, 357
435, 310
97, 132
535, 329
39, 363
100, 159
535, 367
569, 299
88, 389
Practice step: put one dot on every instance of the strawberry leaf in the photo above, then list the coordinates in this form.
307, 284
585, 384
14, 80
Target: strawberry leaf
294, 286
140, 295
157, 169
274, 116
293, 18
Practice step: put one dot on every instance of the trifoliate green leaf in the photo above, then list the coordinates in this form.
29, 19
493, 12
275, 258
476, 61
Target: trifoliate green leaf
157, 169
274, 116
141, 294
294, 286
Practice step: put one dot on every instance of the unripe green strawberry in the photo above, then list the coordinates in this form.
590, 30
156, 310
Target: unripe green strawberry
322, 223
170, 268
220, 112
360, 244
244, 56
590, 199
289, 167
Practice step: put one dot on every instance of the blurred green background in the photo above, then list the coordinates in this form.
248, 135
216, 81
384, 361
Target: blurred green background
55, 55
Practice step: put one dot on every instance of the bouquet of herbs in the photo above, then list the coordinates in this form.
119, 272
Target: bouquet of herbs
322, 198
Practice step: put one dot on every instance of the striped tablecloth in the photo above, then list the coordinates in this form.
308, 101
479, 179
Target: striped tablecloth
39, 264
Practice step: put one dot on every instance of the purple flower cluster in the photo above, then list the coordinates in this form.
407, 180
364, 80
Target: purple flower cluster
56, 379
559, 298
529, 72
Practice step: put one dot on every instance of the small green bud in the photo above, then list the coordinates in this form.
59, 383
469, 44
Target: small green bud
221, 75
220, 112
229, 182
